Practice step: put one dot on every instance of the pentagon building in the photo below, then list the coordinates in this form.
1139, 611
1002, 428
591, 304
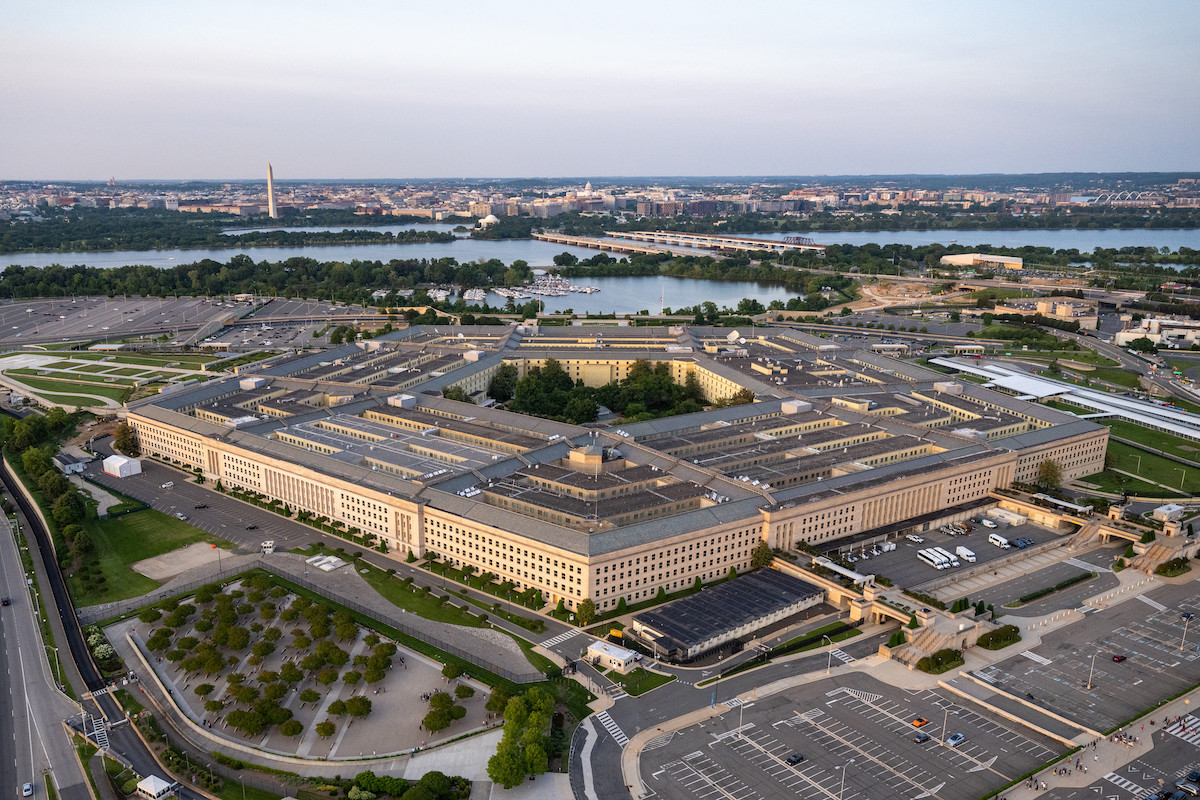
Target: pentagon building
838, 442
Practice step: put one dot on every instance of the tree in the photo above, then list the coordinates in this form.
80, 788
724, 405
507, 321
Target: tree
536, 761
761, 556
337, 708
310, 696
325, 729
436, 720
507, 767
124, 440
457, 393
1049, 474
291, 728
585, 612
327, 676
358, 706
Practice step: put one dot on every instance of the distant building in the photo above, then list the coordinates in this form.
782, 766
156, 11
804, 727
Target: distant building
986, 260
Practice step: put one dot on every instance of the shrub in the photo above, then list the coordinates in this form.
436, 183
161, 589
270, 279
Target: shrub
1000, 638
464, 691
941, 661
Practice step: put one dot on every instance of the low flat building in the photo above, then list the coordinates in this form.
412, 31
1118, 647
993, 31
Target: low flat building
702, 622
608, 656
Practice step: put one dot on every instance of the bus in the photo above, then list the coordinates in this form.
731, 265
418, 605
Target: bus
933, 559
953, 559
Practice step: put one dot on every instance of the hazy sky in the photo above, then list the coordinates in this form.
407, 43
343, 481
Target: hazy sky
399, 89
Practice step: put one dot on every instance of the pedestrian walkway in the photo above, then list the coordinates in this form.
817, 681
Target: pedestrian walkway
1187, 729
613, 729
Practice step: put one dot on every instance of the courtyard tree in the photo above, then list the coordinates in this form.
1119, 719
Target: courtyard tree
325, 729
291, 728
310, 696
124, 440
358, 706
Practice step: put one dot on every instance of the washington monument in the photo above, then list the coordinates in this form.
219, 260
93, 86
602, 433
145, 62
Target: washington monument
271, 210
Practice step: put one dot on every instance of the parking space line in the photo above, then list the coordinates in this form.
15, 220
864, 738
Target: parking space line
871, 757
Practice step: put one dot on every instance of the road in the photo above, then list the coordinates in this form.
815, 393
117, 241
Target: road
31, 728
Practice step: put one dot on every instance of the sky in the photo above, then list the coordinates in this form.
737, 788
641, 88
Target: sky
215, 90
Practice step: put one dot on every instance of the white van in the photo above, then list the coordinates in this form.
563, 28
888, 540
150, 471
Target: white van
987, 523
999, 541
167, 485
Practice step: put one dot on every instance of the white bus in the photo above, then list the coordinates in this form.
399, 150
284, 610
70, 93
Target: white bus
933, 559
953, 559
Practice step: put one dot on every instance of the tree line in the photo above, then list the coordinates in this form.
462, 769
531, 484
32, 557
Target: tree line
111, 229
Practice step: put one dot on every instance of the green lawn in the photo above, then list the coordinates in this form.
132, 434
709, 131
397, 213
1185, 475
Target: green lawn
1157, 440
1119, 377
998, 294
640, 681
423, 604
1082, 356
1146, 465
121, 541
1067, 407
70, 389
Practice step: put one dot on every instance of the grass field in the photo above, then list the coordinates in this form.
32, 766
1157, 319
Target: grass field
69, 389
1157, 440
1118, 377
1082, 356
1070, 409
1147, 465
121, 541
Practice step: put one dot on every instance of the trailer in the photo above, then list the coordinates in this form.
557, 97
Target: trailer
1011, 517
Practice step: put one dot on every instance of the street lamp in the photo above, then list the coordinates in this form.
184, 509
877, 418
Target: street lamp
1138, 469
945, 722
1093, 669
58, 673
844, 768
1186, 622
1182, 475
829, 660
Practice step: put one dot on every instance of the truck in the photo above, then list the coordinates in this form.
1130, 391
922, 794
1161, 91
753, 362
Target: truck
1011, 517
965, 554
999, 541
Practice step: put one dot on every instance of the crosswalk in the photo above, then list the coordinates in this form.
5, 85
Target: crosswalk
100, 692
1157, 606
100, 733
562, 637
1187, 729
617, 693
1078, 562
613, 729
1126, 784
1032, 656
842, 656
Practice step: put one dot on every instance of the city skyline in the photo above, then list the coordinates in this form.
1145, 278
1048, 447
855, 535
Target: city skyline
669, 89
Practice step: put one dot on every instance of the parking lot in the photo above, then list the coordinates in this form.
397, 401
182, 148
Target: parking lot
71, 319
903, 568
1147, 630
1171, 759
852, 729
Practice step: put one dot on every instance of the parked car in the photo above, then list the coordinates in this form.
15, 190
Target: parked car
251, 527
921, 738
181, 516
1187, 615
794, 759
1119, 659
955, 740
27, 790
920, 722
202, 505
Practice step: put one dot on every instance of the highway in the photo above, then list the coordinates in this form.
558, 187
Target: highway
32, 739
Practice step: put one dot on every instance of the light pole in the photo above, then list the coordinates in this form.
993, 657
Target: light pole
844, 768
58, 673
829, 659
242, 778
1182, 475
1093, 668
1186, 622
1138, 469
945, 721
